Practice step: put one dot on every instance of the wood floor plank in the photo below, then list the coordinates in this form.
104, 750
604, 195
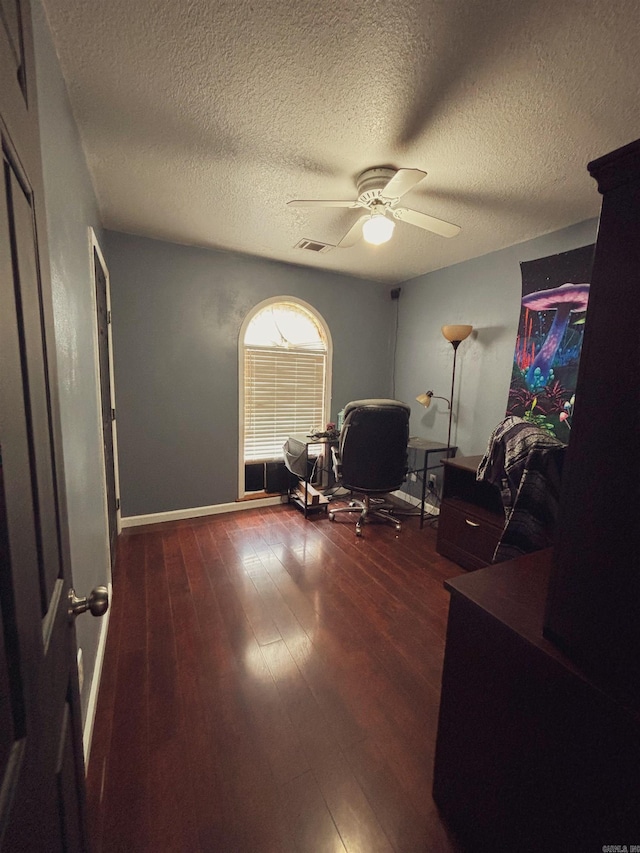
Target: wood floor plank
410, 829
278, 692
277, 733
130, 549
312, 826
173, 820
352, 813
125, 803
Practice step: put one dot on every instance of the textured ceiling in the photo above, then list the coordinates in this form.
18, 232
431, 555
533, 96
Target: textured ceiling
200, 120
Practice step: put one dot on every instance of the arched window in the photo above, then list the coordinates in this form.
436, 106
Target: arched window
285, 374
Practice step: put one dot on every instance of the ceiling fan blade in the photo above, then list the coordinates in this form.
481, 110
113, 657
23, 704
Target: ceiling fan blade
402, 182
353, 234
321, 202
429, 223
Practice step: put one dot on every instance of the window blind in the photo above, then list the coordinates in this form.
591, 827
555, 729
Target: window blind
284, 394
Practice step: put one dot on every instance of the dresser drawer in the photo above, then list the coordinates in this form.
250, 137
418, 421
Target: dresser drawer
466, 535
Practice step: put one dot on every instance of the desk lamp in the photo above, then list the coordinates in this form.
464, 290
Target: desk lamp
455, 335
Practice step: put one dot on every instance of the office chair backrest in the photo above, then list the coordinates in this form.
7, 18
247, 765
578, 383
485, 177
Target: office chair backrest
373, 445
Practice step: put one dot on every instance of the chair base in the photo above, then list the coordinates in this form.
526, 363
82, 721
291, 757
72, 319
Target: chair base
368, 510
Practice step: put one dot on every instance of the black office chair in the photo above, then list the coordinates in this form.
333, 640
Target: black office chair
371, 458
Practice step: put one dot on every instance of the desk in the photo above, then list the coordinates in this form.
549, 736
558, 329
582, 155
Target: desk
300, 443
532, 753
427, 446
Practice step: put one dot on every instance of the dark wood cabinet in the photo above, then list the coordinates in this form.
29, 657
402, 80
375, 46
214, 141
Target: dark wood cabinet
539, 731
592, 608
471, 515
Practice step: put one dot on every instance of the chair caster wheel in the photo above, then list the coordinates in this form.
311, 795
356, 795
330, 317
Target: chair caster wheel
352, 503
332, 516
398, 527
358, 531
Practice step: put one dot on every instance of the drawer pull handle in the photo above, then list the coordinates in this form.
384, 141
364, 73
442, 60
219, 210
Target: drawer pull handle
471, 523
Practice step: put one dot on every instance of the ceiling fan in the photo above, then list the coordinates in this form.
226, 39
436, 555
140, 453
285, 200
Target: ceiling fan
379, 191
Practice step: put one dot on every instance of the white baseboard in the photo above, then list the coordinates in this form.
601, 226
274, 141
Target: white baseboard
199, 511
87, 734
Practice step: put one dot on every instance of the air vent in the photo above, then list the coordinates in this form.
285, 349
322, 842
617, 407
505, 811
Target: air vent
314, 246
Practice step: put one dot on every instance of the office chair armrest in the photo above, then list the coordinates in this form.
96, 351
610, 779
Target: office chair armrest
337, 463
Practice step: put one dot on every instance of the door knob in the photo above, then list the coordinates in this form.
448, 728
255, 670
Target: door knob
97, 602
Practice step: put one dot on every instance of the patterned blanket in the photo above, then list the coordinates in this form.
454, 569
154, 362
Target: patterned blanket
525, 463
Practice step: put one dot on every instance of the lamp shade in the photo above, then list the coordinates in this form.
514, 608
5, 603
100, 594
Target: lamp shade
425, 399
378, 229
456, 333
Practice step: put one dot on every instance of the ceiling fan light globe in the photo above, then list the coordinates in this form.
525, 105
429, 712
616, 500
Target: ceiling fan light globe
377, 230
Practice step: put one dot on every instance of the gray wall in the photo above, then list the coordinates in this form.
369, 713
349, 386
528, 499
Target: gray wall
484, 292
71, 208
177, 312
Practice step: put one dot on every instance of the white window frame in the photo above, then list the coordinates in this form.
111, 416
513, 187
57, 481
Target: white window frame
241, 366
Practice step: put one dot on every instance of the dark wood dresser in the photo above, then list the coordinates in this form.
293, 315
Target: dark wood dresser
471, 515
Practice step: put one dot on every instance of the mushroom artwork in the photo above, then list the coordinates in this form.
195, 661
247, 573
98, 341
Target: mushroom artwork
564, 300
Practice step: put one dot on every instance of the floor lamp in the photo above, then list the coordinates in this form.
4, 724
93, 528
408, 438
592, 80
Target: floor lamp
455, 335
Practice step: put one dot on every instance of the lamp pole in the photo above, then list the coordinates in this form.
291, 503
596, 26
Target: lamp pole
455, 345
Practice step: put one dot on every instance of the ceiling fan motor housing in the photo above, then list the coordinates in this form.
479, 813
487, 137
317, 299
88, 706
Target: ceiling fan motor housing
372, 182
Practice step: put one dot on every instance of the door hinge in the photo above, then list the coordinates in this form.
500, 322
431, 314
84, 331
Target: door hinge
108, 317
117, 503
113, 414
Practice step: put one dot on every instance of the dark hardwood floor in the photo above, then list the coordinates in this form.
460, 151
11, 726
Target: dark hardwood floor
271, 684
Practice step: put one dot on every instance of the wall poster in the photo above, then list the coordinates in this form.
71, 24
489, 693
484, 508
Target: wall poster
555, 292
